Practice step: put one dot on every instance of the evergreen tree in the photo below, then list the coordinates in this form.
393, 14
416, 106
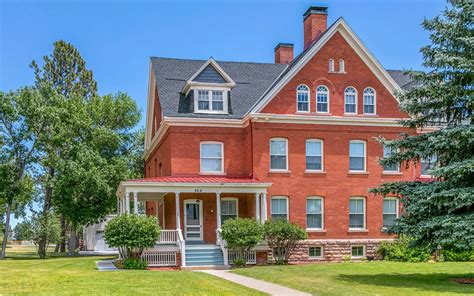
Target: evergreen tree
440, 212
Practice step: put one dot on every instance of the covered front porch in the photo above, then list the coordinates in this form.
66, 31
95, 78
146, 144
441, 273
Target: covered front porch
191, 209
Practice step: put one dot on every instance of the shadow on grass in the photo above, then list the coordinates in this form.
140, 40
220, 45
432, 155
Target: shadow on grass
433, 282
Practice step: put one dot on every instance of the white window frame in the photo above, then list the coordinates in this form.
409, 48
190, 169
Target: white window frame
322, 155
363, 251
365, 156
430, 162
397, 206
308, 92
287, 206
270, 153
364, 227
375, 101
342, 66
210, 89
316, 257
356, 100
331, 65
322, 213
236, 205
383, 167
328, 98
221, 172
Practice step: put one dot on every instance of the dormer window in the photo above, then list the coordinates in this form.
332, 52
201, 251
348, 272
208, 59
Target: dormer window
210, 101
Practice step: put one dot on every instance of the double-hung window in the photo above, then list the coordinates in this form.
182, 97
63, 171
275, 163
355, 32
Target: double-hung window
387, 151
279, 207
357, 153
342, 67
357, 213
210, 100
390, 211
314, 155
278, 154
427, 164
350, 100
314, 213
229, 208
302, 98
322, 99
369, 101
357, 251
212, 157
315, 252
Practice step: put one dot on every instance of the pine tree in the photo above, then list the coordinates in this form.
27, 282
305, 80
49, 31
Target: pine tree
439, 212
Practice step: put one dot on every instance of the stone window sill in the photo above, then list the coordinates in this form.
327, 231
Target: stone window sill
388, 173
316, 230
358, 231
355, 173
310, 172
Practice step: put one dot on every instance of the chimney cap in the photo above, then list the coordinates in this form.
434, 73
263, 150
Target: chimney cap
315, 10
284, 45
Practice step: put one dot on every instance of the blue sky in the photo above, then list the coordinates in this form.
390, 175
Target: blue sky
116, 38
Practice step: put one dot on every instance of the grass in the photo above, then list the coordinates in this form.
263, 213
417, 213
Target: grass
369, 278
23, 273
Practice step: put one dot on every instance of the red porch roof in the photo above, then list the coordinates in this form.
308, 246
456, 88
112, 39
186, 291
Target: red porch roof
199, 179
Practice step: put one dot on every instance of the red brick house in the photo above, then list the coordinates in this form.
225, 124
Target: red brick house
294, 140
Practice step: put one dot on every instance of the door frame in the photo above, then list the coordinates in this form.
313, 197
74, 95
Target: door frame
201, 228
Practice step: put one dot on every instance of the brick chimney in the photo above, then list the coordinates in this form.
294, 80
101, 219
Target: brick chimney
283, 53
315, 23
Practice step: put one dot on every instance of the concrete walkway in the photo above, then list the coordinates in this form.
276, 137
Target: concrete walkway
259, 285
106, 265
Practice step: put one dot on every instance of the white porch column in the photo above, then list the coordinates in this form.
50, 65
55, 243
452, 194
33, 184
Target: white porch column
124, 208
178, 210
264, 207
127, 202
218, 209
118, 205
135, 202
257, 206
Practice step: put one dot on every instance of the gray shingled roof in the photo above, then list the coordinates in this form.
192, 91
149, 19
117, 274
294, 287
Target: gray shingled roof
252, 80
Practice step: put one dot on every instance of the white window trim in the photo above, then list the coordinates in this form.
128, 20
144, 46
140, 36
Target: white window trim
210, 89
365, 213
383, 167
397, 208
287, 206
331, 66
421, 167
236, 204
221, 172
322, 213
365, 156
342, 66
316, 257
270, 154
309, 98
364, 251
322, 155
356, 101
375, 101
328, 102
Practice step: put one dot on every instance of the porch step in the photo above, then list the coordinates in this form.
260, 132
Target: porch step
204, 255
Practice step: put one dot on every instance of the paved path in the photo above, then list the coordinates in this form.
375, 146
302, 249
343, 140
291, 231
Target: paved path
105, 265
259, 285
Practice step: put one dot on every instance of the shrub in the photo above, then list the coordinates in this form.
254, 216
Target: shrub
131, 234
457, 255
401, 250
132, 263
241, 235
240, 262
282, 236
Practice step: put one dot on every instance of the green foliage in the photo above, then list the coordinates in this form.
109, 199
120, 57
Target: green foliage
131, 234
401, 250
440, 213
241, 235
456, 255
282, 237
132, 263
45, 228
23, 231
239, 262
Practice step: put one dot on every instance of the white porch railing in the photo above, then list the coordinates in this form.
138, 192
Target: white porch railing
167, 236
250, 256
159, 258
223, 244
182, 246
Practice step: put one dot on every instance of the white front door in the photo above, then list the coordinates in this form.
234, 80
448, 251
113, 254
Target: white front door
193, 219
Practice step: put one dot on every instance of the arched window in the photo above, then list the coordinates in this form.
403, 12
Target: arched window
350, 100
322, 99
302, 98
331, 65
369, 101
342, 66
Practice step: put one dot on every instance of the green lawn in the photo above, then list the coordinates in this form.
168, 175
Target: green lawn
24, 274
369, 278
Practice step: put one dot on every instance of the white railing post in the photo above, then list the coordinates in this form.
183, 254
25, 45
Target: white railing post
182, 247
257, 206
223, 245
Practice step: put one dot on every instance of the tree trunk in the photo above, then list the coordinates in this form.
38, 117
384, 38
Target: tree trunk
5, 232
72, 242
62, 246
43, 241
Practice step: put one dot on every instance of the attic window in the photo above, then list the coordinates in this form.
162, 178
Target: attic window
210, 101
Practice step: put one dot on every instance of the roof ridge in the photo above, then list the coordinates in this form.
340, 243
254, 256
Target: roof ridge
218, 61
